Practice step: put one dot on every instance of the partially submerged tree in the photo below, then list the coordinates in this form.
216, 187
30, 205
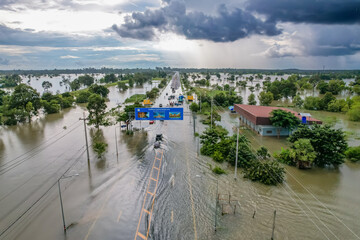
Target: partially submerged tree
283, 119
97, 110
303, 153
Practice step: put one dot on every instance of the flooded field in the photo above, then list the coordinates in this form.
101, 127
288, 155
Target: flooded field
103, 199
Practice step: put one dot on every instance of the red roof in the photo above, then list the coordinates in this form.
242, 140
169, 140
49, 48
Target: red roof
260, 115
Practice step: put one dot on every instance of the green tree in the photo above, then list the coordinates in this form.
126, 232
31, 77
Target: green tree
110, 78
75, 85
354, 112
298, 102
86, 80
83, 96
99, 89
131, 82
251, 99
303, 153
329, 144
25, 98
312, 103
263, 153
194, 107
265, 98
122, 86
283, 119
267, 172
97, 110
46, 85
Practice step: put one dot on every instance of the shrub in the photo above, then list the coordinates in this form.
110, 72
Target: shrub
218, 170
83, 97
267, 172
218, 157
353, 154
100, 148
285, 157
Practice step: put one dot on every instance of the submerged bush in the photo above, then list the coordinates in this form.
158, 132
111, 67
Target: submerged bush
267, 172
353, 154
218, 170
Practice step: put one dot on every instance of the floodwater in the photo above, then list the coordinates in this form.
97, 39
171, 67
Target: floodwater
104, 200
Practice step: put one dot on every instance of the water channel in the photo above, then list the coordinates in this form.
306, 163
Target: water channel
103, 200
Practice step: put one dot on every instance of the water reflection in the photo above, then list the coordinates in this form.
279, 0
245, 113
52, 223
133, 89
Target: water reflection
137, 143
97, 136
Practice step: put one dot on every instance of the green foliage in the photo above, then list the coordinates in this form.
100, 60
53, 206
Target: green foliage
99, 89
285, 157
329, 144
75, 85
267, 172
209, 139
353, 154
83, 96
122, 86
100, 148
298, 102
10, 81
217, 156
218, 170
338, 105
334, 86
266, 98
354, 112
135, 98
283, 119
46, 85
86, 80
97, 108
51, 107
153, 93
251, 99
263, 153
303, 153
110, 78
194, 107
312, 103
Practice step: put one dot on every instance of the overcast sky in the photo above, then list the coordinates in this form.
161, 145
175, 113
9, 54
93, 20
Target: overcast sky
272, 34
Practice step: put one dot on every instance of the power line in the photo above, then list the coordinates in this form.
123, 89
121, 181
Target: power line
33, 148
15, 164
43, 195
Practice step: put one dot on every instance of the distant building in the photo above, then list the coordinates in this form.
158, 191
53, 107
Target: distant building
258, 119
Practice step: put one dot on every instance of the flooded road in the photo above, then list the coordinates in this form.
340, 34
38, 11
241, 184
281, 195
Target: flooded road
105, 200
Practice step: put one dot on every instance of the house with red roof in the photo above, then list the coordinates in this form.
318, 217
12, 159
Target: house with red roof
258, 119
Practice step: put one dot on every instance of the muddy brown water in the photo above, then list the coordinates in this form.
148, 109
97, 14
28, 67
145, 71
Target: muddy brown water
104, 201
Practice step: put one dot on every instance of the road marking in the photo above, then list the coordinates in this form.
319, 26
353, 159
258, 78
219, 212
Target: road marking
118, 218
190, 190
100, 211
172, 215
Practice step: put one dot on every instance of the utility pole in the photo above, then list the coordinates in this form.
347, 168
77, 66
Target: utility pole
116, 144
273, 230
216, 203
211, 112
86, 140
200, 103
194, 117
237, 152
61, 204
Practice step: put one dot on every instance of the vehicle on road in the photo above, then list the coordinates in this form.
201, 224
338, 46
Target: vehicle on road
157, 144
151, 122
160, 105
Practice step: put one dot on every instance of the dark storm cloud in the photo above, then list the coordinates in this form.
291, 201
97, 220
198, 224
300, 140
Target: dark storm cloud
226, 26
308, 11
335, 41
10, 36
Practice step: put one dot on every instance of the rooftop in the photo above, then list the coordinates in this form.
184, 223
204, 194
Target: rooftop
264, 111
